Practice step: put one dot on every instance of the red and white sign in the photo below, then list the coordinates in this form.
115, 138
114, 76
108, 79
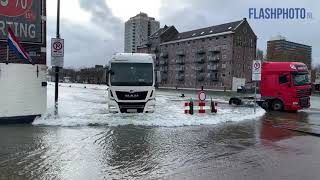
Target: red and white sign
202, 96
57, 47
14, 8
256, 70
57, 52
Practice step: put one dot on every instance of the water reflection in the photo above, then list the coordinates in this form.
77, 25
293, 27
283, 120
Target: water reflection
137, 152
126, 152
21, 152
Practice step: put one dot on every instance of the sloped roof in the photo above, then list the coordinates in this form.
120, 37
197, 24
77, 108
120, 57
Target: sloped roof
208, 30
159, 32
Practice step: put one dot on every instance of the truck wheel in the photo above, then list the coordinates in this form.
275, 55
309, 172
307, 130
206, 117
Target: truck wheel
277, 105
265, 105
235, 101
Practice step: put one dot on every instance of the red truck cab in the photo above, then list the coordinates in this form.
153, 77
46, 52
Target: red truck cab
285, 86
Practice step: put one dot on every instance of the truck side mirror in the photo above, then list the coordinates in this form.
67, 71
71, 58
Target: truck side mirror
107, 77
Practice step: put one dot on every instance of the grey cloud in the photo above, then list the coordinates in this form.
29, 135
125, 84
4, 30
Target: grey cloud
191, 14
92, 43
102, 16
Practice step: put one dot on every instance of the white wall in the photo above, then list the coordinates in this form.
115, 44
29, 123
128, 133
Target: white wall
237, 82
21, 91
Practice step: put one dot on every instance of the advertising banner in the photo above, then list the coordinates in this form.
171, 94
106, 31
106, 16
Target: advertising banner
24, 17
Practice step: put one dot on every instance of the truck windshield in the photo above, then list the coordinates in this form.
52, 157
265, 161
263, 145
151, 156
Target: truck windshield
131, 74
301, 79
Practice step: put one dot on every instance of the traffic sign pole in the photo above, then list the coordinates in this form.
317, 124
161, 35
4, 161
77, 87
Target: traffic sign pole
56, 94
255, 97
256, 76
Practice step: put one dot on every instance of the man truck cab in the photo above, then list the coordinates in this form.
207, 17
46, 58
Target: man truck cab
285, 86
131, 83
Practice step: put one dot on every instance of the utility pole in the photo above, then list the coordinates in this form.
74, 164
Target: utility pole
56, 94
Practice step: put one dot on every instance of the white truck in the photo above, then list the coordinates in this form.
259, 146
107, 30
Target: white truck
131, 82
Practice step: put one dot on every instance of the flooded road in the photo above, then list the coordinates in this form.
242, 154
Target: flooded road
85, 142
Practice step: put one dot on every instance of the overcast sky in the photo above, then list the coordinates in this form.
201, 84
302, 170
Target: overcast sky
94, 29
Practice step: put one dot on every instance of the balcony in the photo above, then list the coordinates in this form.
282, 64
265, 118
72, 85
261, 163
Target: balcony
164, 55
201, 77
164, 77
214, 58
215, 50
201, 51
180, 68
180, 61
179, 77
212, 67
199, 68
164, 69
214, 77
200, 60
180, 53
163, 62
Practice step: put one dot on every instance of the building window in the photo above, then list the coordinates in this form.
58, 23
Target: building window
224, 56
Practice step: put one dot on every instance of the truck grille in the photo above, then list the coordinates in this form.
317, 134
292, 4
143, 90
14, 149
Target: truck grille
125, 106
123, 95
303, 92
304, 102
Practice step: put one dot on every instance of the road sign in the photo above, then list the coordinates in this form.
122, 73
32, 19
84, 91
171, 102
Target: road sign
57, 47
256, 77
256, 70
57, 52
202, 96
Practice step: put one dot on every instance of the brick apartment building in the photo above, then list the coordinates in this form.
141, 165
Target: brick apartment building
280, 49
210, 57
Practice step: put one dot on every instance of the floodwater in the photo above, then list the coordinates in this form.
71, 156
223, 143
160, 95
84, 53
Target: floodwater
85, 142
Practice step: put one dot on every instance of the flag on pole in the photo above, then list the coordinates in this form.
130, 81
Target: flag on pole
14, 44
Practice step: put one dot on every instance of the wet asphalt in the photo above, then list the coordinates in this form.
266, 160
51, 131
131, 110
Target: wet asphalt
277, 145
